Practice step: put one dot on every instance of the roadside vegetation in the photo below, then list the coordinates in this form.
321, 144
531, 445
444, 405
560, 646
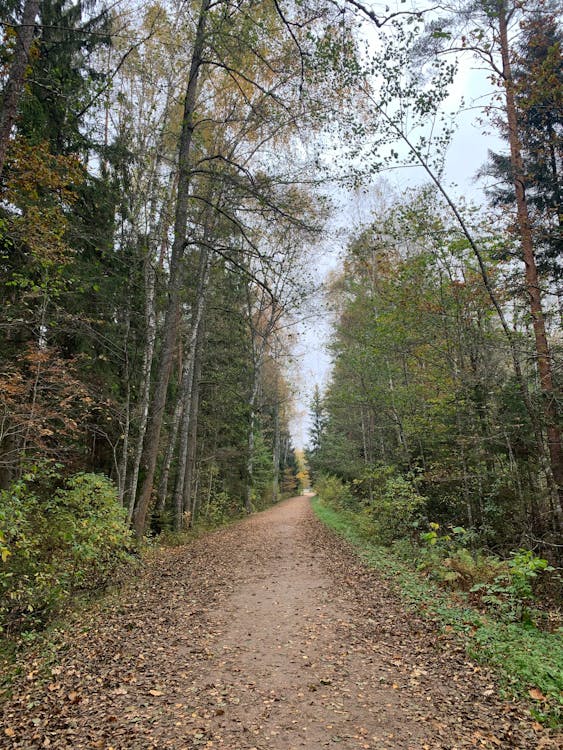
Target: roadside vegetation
63, 539
503, 609
169, 177
60, 537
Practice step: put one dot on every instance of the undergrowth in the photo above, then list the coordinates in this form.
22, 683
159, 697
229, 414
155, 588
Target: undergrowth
41, 639
59, 538
529, 661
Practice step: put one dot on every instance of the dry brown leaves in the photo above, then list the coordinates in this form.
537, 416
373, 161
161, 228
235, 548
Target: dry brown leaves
269, 635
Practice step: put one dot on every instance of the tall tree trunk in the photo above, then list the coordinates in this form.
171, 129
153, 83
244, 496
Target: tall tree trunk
158, 230
401, 437
201, 296
171, 322
172, 440
192, 437
250, 449
364, 435
276, 453
157, 225
123, 459
150, 323
16, 76
555, 469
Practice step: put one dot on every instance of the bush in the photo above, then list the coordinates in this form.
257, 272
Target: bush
447, 559
503, 586
76, 539
388, 504
334, 492
219, 508
396, 509
512, 594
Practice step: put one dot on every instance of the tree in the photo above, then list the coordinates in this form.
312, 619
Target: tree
422, 383
13, 89
152, 437
481, 27
258, 108
538, 95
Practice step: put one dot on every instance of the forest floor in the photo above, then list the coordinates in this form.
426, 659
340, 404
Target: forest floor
268, 634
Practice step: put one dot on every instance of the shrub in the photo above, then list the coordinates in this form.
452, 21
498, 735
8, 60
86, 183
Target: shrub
388, 505
396, 509
504, 586
447, 559
334, 492
75, 539
511, 594
220, 507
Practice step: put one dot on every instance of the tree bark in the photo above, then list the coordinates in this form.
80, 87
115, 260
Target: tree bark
189, 500
171, 322
543, 356
201, 296
150, 322
276, 453
16, 77
123, 460
250, 445
172, 440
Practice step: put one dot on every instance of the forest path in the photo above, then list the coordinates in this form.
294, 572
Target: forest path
268, 634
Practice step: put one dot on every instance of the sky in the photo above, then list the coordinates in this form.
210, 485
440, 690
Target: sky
468, 151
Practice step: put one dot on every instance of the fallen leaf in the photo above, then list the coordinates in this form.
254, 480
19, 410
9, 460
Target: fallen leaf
536, 694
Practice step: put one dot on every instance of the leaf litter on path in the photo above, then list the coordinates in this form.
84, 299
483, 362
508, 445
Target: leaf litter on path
269, 634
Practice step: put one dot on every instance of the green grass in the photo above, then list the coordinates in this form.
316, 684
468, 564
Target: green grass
524, 657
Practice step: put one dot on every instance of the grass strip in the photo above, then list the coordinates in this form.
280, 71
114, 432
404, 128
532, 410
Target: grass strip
528, 661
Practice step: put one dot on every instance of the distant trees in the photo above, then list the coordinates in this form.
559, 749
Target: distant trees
423, 380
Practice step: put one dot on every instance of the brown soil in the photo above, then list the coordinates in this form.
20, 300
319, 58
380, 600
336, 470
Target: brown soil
270, 635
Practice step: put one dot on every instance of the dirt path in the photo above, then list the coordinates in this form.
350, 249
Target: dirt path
266, 635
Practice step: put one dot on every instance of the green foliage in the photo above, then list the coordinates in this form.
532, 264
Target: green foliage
511, 593
219, 508
262, 471
76, 539
396, 509
389, 503
524, 567
503, 587
529, 660
445, 558
422, 382
334, 492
